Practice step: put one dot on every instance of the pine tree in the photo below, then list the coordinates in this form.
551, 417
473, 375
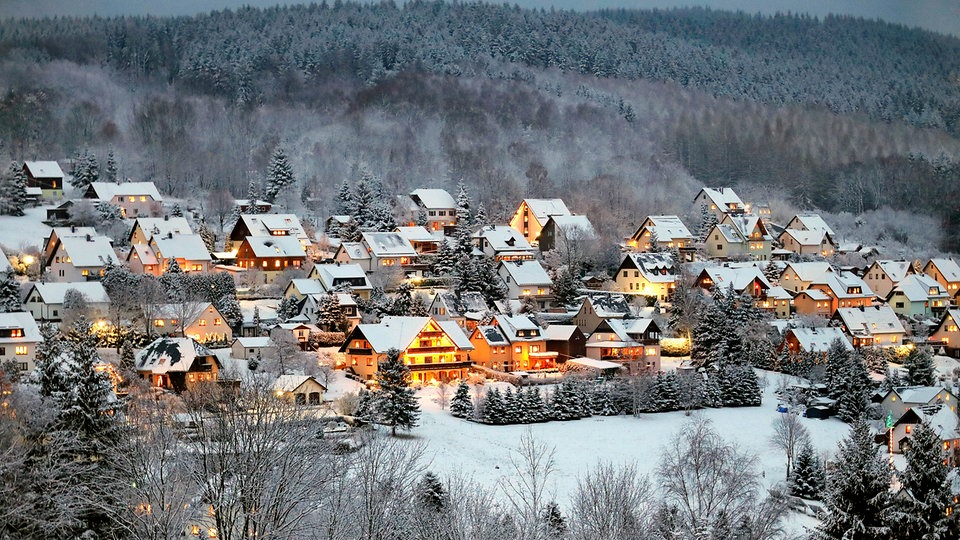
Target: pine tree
666, 392
86, 170
253, 195
279, 176
707, 220
330, 315
430, 493
50, 374
464, 214
461, 405
922, 513
511, 408
564, 287
601, 403
493, 407
444, 261
891, 380
553, 521
480, 218
88, 410
838, 360
257, 322
174, 280
854, 394
287, 308
208, 237
110, 168
857, 495
13, 190
711, 394
127, 356
345, 203
350, 231
919, 366
808, 477
9, 293
534, 406
396, 406
771, 272
176, 210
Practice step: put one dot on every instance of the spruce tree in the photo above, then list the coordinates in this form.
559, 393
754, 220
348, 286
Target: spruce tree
494, 409
919, 366
430, 493
808, 477
396, 405
480, 217
464, 213
86, 170
555, 525
110, 168
330, 315
711, 393
345, 203
461, 406
88, 410
279, 176
444, 260
13, 190
564, 287
208, 237
287, 308
857, 497
854, 390
9, 293
666, 392
253, 195
922, 512
51, 376
891, 380
511, 408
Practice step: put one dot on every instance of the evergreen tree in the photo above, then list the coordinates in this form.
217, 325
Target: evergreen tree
88, 410
110, 168
511, 408
564, 287
666, 392
430, 493
9, 293
461, 405
396, 405
922, 513
366, 405
287, 308
838, 361
855, 386
707, 220
601, 403
857, 496
534, 406
808, 477
891, 380
86, 170
253, 195
176, 210
345, 203
464, 214
279, 176
127, 357
330, 315
919, 366
711, 394
13, 190
739, 386
257, 322
208, 237
494, 409
771, 272
711, 333
554, 523
567, 402
229, 307
174, 281
480, 218
444, 261
350, 231
50, 374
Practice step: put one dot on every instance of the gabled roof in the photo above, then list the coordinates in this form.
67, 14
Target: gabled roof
168, 354
943, 421
307, 286
388, 244
174, 311
433, 198
44, 169
667, 228
53, 293
290, 383
819, 340
920, 395
895, 270
144, 253
456, 335
355, 251
812, 222
636, 327
745, 224
4, 263
394, 332
469, 302
96, 251
266, 224
544, 208
492, 335
949, 315
806, 238
526, 272
618, 328
840, 283
511, 325
918, 287
163, 227
559, 332
730, 233
503, 238
275, 246
419, 233
106, 191
24, 321
185, 246
609, 305
257, 342
810, 271
723, 197
739, 277
570, 224
778, 293
865, 321
331, 275
655, 267
948, 268
814, 294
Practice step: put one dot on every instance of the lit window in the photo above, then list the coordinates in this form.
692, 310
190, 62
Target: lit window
216, 322
203, 322
16, 332
195, 530
158, 322
518, 349
21, 350
143, 198
276, 263
84, 273
132, 198
264, 264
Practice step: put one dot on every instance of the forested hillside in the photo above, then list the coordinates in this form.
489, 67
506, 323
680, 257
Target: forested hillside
841, 114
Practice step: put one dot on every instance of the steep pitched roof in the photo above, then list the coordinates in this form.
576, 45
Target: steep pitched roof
44, 169
184, 246
355, 251
841, 284
526, 272
668, 227
24, 321
739, 277
289, 383
275, 246
4, 263
870, 320
806, 238
388, 244
168, 354
948, 268
655, 267
162, 227
469, 302
53, 293
918, 287
393, 332
746, 223
813, 222
813, 271
819, 340
105, 191
503, 238
609, 305
433, 198
419, 233
723, 197
333, 275
268, 224
570, 224
144, 253
559, 332
96, 251
307, 286
492, 335
730, 233
544, 208
895, 270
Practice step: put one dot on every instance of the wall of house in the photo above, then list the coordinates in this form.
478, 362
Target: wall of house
132, 206
902, 306
949, 336
21, 353
879, 282
633, 281
526, 224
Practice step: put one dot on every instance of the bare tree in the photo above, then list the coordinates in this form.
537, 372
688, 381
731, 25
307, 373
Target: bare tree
219, 204
475, 513
442, 395
525, 487
788, 435
385, 473
287, 355
611, 502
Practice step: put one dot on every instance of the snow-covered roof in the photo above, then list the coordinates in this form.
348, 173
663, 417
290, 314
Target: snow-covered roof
53, 293
175, 311
4, 263
257, 342
895, 270
559, 332
544, 208
106, 191
185, 246
44, 169
511, 326
805, 238
526, 273
570, 223
730, 233
948, 268
636, 327
943, 421
745, 224
739, 277
668, 228
918, 394
492, 335
144, 253
595, 364
655, 267
394, 332
618, 328
815, 294
289, 383
268, 224
503, 238
609, 305
164, 226
307, 286
469, 302
333, 275
812, 222
169, 354
24, 321
920, 288
275, 246
456, 334
93, 252
778, 293
355, 251
845, 285
433, 198
819, 339
870, 320
419, 233
814, 271
723, 197
388, 244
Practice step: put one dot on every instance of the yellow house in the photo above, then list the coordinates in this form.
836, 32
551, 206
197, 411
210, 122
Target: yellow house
511, 344
947, 332
433, 350
299, 389
808, 242
884, 275
204, 322
647, 274
532, 215
719, 201
946, 272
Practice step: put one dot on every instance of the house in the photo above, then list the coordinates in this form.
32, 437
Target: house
46, 175
566, 340
19, 336
841, 290
943, 421
511, 343
299, 389
342, 277
883, 275
532, 215
270, 255
79, 258
597, 308
135, 199
59, 215
247, 348
919, 295
311, 306
146, 228
439, 208
613, 343
739, 236
300, 288
45, 300
503, 243
299, 331
946, 272
52, 242
268, 225
559, 231
778, 301
263, 207
177, 364
647, 274
152, 258
719, 201
798, 276
201, 321
897, 401
724, 241
809, 222
813, 302
433, 350
808, 242
813, 340
668, 232
947, 333
875, 326
422, 240
467, 310
646, 332
747, 280
526, 279
377, 251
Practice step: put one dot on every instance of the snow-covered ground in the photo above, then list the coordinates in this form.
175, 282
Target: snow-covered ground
482, 452
19, 233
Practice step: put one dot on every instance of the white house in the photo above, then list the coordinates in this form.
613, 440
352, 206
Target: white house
45, 300
19, 336
526, 279
79, 258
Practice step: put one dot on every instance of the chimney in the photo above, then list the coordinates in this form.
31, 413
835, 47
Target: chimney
89, 238
73, 228
170, 235
166, 217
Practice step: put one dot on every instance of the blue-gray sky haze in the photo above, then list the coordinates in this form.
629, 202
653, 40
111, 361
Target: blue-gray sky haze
937, 15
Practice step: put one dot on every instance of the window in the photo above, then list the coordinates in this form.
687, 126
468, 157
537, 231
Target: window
3, 351
217, 322
16, 332
84, 272
158, 322
21, 350
143, 198
203, 322
132, 198
534, 348
518, 349
264, 264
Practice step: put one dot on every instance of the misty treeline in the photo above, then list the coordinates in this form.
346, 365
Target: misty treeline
644, 107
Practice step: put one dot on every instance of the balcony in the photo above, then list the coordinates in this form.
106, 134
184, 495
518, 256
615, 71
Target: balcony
361, 352
439, 366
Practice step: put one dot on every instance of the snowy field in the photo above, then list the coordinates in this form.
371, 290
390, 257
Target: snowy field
19, 233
